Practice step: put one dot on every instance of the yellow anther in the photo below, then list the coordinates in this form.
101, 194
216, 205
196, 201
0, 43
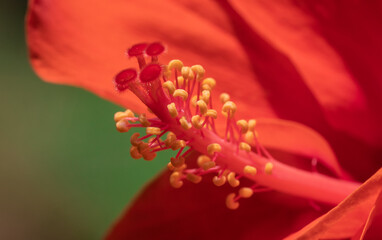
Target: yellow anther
251, 124
219, 181
142, 147
180, 81
243, 125
185, 72
193, 178
170, 139
181, 168
153, 130
202, 106
122, 126
195, 120
143, 119
230, 202
134, 153
249, 137
206, 96
172, 110
268, 168
245, 192
231, 177
210, 82
249, 170
148, 155
134, 139
245, 146
175, 180
213, 148
224, 97
120, 115
206, 87
177, 162
211, 113
170, 166
181, 93
175, 64
229, 107
193, 100
169, 85
178, 144
205, 162
183, 122
199, 71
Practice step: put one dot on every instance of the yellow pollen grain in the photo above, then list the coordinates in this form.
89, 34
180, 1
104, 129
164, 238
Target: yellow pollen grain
172, 110
175, 180
194, 178
175, 64
183, 122
120, 115
231, 177
202, 106
268, 168
134, 153
219, 181
153, 130
229, 107
245, 192
181, 93
195, 120
210, 82
170, 139
203, 159
134, 139
230, 202
244, 146
185, 71
178, 144
249, 170
206, 87
213, 148
180, 81
199, 71
143, 119
177, 162
206, 96
224, 97
243, 125
193, 100
122, 126
181, 168
251, 124
249, 137
211, 113
169, 85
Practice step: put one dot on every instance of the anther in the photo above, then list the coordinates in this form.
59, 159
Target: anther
185, 71
170, 166
213, 148
172, 110
183, 122
224, 97
134, 139
206, 96
231, 177
175, 180
181, 93
177, 162
193, 178
202, 106
120, 115
230, 107
230, 201
249, 137
169, 86
245, 192
175, 64
170, 139
211, 113
243, 125
180, 81
199, 71
251, 124
195, 120
193, 100
268, 168
245, 146
210, 82
219, 181
249, 170
122, 126
134, 153
177, 144
205, 162
153, 130
143, 119
148, 155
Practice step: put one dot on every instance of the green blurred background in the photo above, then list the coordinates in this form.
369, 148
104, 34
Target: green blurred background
65, 173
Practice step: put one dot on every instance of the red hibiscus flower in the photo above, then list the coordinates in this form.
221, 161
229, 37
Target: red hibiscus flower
315, 65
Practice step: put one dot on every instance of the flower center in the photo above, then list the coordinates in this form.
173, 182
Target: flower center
180, 97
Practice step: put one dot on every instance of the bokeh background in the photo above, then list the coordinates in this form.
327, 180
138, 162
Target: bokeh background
65, 172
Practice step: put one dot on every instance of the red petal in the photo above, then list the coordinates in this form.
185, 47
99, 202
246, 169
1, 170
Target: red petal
199, 212
373, 228
349, 216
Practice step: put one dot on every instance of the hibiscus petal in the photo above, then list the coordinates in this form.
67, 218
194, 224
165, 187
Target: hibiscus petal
295, 138
199, 212
345, 220
373, 228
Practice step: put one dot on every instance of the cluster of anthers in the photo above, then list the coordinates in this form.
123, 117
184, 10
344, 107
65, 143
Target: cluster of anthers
180, 98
